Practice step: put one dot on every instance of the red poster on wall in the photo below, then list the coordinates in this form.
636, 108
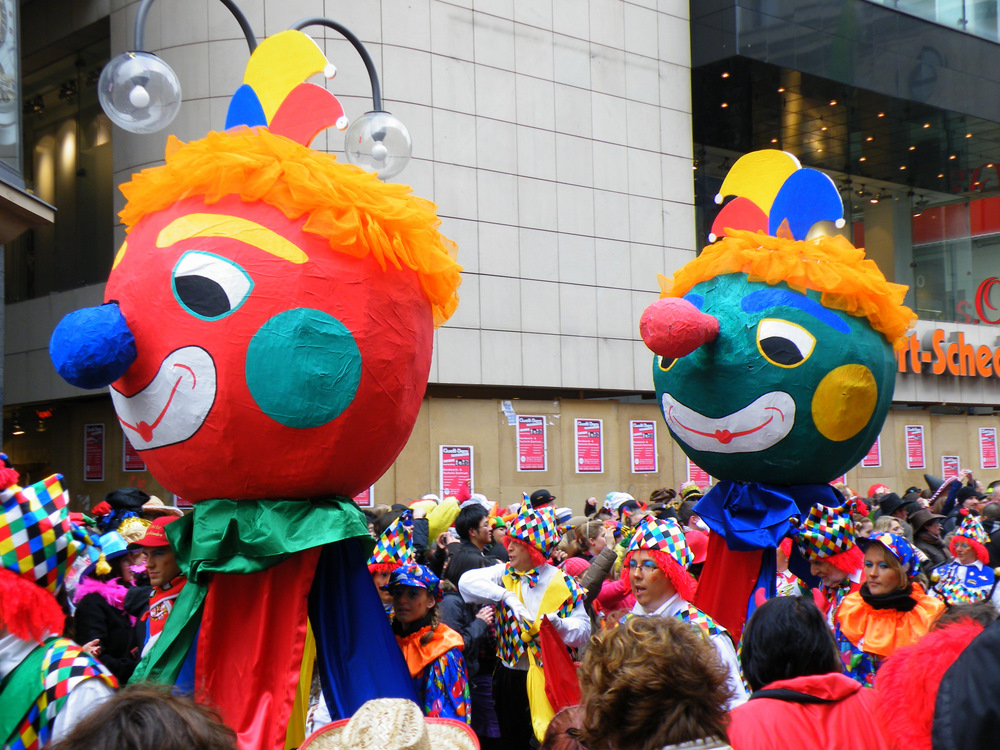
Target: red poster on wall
914, 438
93, 452
455, 465
131, 460
698, 475
949, 467
988, 447
642, 435
589, 446
366, 499
531, 446
873, 459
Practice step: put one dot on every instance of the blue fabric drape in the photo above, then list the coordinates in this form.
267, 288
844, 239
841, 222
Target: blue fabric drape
356, 650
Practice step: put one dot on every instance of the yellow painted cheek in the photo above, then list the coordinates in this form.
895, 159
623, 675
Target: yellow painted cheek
844, 402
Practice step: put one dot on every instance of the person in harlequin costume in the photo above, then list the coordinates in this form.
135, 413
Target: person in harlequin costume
432, 650
267, 337
47, 683
655, 566
393, 548
526, 589
967, 579
889, 611
825, 538
774, 367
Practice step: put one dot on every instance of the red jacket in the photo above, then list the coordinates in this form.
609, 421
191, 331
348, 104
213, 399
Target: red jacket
847, 721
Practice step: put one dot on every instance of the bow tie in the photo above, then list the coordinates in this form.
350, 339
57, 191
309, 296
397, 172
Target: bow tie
531, 576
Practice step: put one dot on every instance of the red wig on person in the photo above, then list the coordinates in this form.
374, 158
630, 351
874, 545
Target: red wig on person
374, 568
537, 558
850, 561
28, 611
682, 581
981, 552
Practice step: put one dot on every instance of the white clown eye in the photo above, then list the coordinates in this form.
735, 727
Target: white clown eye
209, 286
784, 344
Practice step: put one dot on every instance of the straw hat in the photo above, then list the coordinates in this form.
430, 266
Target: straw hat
156, 507
392, 724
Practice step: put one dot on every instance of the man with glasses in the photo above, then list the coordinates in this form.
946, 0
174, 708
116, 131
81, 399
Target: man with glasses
656, 564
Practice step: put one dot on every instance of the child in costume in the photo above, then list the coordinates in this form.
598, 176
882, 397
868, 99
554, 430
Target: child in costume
967, 579
393, 548
526, 589
432, 650
888, 612
825, 538
656, 567
47, 683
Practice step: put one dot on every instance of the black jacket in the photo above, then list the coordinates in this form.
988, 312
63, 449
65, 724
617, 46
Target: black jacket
95, 618
461, 618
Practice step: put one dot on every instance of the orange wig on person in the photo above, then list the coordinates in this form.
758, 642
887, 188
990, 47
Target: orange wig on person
680, 579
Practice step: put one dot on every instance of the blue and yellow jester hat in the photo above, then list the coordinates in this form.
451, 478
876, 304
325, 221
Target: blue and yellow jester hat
662, 536
418, 576
898, 546
394, 547
36, 537
535, 526
825, 532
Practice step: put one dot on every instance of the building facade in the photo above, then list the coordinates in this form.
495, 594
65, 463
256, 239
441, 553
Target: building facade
574, 150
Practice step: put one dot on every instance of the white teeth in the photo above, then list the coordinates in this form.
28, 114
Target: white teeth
755, 427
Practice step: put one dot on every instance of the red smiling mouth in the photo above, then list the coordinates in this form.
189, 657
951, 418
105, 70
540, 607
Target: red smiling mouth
144, 429
725, 436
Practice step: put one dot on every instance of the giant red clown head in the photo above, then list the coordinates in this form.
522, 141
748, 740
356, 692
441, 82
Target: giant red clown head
268, 323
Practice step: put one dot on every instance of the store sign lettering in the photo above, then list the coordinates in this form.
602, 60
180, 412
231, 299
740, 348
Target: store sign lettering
954, 358
985, 309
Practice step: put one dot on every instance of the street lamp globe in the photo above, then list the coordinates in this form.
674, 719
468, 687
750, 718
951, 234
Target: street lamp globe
139, 92
378, 142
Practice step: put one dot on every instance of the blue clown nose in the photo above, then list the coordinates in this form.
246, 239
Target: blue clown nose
92, 347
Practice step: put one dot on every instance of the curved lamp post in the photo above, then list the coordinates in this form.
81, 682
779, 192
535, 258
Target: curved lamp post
376, 141
138, 91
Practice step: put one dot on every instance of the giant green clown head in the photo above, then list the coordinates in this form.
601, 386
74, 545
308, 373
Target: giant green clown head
774, 357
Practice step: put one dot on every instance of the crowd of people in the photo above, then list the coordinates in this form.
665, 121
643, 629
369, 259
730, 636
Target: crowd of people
529, 625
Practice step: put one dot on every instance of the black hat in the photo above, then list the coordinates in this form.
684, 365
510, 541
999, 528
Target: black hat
890, 504
541, 497
933, 482
127, 498
968, 491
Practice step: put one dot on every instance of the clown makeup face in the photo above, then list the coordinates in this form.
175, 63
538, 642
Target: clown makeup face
964, 552
381, 579
829, 574
882, 577
650, 585
411, 603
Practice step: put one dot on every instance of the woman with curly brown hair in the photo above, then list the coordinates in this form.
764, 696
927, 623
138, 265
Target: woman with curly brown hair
652, 683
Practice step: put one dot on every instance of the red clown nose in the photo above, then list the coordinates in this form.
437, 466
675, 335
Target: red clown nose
673, 327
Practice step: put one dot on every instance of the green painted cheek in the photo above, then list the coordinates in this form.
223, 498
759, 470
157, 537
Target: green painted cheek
303, 368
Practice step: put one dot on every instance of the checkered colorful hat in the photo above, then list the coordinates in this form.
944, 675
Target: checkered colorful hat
412, 574
826, 531
395, 545
36, 536
535, 526
662, 536
898, 546
972, 529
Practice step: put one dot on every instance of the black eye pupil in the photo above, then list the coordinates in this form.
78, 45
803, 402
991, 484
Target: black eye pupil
202, 296
781, 350
665, 362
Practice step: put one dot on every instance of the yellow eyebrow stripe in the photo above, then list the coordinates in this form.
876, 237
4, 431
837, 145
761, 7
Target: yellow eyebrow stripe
119, 255
233, 227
